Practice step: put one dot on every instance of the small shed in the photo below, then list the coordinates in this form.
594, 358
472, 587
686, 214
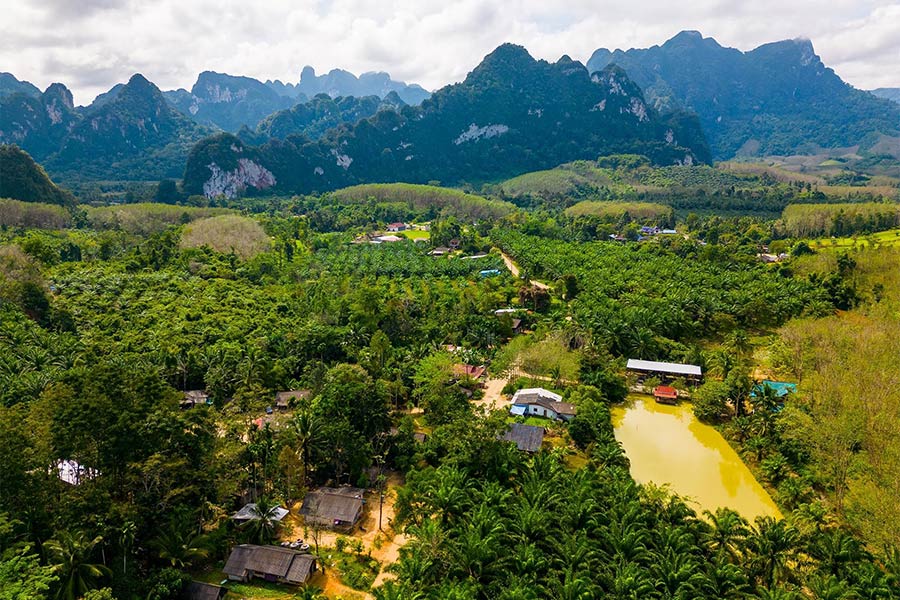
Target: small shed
194, 398
527, 438
440, 251
198, 590
665, 394
334, 508
283, 400
394, 227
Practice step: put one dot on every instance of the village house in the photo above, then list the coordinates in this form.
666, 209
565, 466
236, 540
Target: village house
284, 400
461, 371
527, 438
194, 398
271, 563
395, 227
440, 251
665, 372
539, 402
333, 508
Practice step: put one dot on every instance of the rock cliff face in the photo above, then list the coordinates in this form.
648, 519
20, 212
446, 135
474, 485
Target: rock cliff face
777, 99
37, 124
233, 183
512, 114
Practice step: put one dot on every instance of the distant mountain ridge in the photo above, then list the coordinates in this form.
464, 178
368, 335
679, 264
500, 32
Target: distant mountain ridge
512, 114
892, 94
132, 133
339, 82
776, 99
10, 85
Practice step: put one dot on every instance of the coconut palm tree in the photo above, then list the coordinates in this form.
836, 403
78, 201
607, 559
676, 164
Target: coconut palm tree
264, 523
71, 555
179, 544
308, 431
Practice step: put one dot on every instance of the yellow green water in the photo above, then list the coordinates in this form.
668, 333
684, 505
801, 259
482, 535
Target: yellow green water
668, 445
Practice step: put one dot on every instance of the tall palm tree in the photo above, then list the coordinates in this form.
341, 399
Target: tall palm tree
71, 554
308, 430
264, 523
774, 545
728, 532
179, 544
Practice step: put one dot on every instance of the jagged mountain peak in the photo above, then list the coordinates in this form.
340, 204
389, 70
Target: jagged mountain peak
57, 91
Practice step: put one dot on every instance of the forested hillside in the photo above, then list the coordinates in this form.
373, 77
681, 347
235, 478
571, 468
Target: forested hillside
23, 179
512, 114
774, 100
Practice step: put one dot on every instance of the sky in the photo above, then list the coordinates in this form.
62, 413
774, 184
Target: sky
90, 45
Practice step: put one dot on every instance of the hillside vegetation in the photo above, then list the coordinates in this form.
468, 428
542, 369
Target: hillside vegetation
23, 179
809, 220
227, 233
637, 210
427, 199
144, 218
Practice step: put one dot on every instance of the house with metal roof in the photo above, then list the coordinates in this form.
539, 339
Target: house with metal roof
248, 513
283, 400
527, 438
272, 563
539, 402
333, 508
663, 370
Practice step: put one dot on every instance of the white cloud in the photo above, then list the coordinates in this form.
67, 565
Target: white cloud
431, 42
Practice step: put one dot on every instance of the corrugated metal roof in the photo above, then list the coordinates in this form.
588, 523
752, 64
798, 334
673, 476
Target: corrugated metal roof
663, 367
527, 438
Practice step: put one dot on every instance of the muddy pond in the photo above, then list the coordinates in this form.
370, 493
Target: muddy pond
668, 445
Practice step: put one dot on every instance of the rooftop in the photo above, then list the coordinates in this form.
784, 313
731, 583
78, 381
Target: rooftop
248, 513
528, 438
663, 367
330, 505
291, 565
531, 394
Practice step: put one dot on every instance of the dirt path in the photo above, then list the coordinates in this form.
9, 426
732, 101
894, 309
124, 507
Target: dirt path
493, 394
384, 545
514, 269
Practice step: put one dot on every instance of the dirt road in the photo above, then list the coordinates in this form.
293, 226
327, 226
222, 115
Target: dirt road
514, 269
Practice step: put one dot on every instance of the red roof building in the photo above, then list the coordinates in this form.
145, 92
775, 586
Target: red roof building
665, 394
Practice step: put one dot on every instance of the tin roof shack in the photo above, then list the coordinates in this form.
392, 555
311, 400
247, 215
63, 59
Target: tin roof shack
527, 438
284, 400
248, 513
333, 508
194, 398
666, 372
271, 563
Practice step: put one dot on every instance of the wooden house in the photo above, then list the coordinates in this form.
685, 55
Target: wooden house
333, 508
271, 563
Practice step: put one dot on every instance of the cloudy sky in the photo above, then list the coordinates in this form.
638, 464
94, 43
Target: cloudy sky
92, 44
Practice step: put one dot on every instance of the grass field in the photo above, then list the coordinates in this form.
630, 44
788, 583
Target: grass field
416, 234
874, 240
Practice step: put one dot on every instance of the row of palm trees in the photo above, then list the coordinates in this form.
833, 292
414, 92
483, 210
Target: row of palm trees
543, 531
